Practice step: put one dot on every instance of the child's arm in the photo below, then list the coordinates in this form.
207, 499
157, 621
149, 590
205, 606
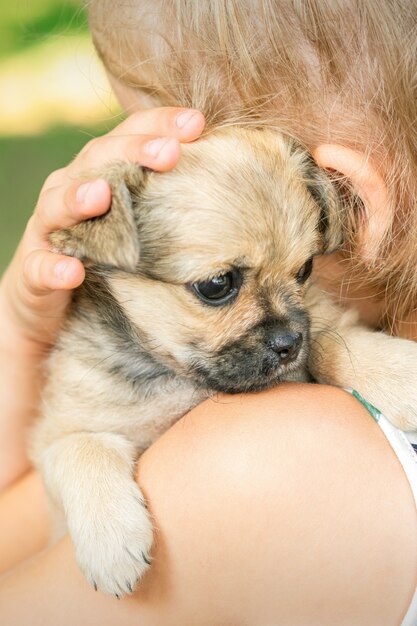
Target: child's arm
36, 287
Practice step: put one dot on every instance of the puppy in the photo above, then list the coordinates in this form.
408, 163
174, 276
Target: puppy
196, 283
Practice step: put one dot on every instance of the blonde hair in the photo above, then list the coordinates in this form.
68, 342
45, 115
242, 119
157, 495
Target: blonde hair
339, 71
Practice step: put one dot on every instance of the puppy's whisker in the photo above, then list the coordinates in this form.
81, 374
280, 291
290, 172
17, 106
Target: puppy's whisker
97, 364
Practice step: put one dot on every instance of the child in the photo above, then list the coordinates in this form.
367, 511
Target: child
339, 77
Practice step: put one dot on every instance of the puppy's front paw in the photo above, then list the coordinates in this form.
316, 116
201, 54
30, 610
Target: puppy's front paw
113, 544
398, 403
390, 382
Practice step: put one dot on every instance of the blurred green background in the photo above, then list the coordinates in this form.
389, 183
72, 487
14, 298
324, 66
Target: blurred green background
53, 98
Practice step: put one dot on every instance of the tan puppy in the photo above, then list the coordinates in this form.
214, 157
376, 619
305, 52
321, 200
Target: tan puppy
196, 283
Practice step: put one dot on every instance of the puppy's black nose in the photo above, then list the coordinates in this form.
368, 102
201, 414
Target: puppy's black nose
286, 344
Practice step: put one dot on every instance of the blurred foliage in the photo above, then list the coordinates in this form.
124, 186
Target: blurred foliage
26, 27
25, 23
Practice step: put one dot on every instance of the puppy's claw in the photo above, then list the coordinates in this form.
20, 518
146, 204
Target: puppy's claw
142, 502
103, 554
147, 561
134, 557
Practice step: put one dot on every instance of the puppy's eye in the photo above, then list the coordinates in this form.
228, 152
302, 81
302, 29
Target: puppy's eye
305, 271
218, 290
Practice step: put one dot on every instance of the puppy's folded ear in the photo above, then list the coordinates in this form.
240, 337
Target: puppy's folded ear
327, 193
110, 239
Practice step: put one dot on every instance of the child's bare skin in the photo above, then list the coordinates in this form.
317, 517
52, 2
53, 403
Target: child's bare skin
287, 530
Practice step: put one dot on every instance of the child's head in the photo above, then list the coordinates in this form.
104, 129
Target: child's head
328, 71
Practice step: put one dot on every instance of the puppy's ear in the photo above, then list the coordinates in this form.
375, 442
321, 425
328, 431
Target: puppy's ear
327, 194
110, 239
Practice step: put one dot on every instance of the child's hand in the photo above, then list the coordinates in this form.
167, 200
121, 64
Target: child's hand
36, 287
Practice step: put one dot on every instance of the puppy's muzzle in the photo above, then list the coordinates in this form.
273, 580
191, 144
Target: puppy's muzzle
285, 344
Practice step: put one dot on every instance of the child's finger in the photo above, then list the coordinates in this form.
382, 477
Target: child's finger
155, 152
45, 271
59, 207
184, 124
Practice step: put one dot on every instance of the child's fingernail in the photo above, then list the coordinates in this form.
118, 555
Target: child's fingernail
185, 118
154, 147
67, 271
94, 195
82, 192
61, 270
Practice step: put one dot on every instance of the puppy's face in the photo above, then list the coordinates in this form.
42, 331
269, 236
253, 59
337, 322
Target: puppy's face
226, 245
227, 241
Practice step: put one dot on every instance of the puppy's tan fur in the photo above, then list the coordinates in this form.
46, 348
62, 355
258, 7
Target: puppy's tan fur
140, 348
